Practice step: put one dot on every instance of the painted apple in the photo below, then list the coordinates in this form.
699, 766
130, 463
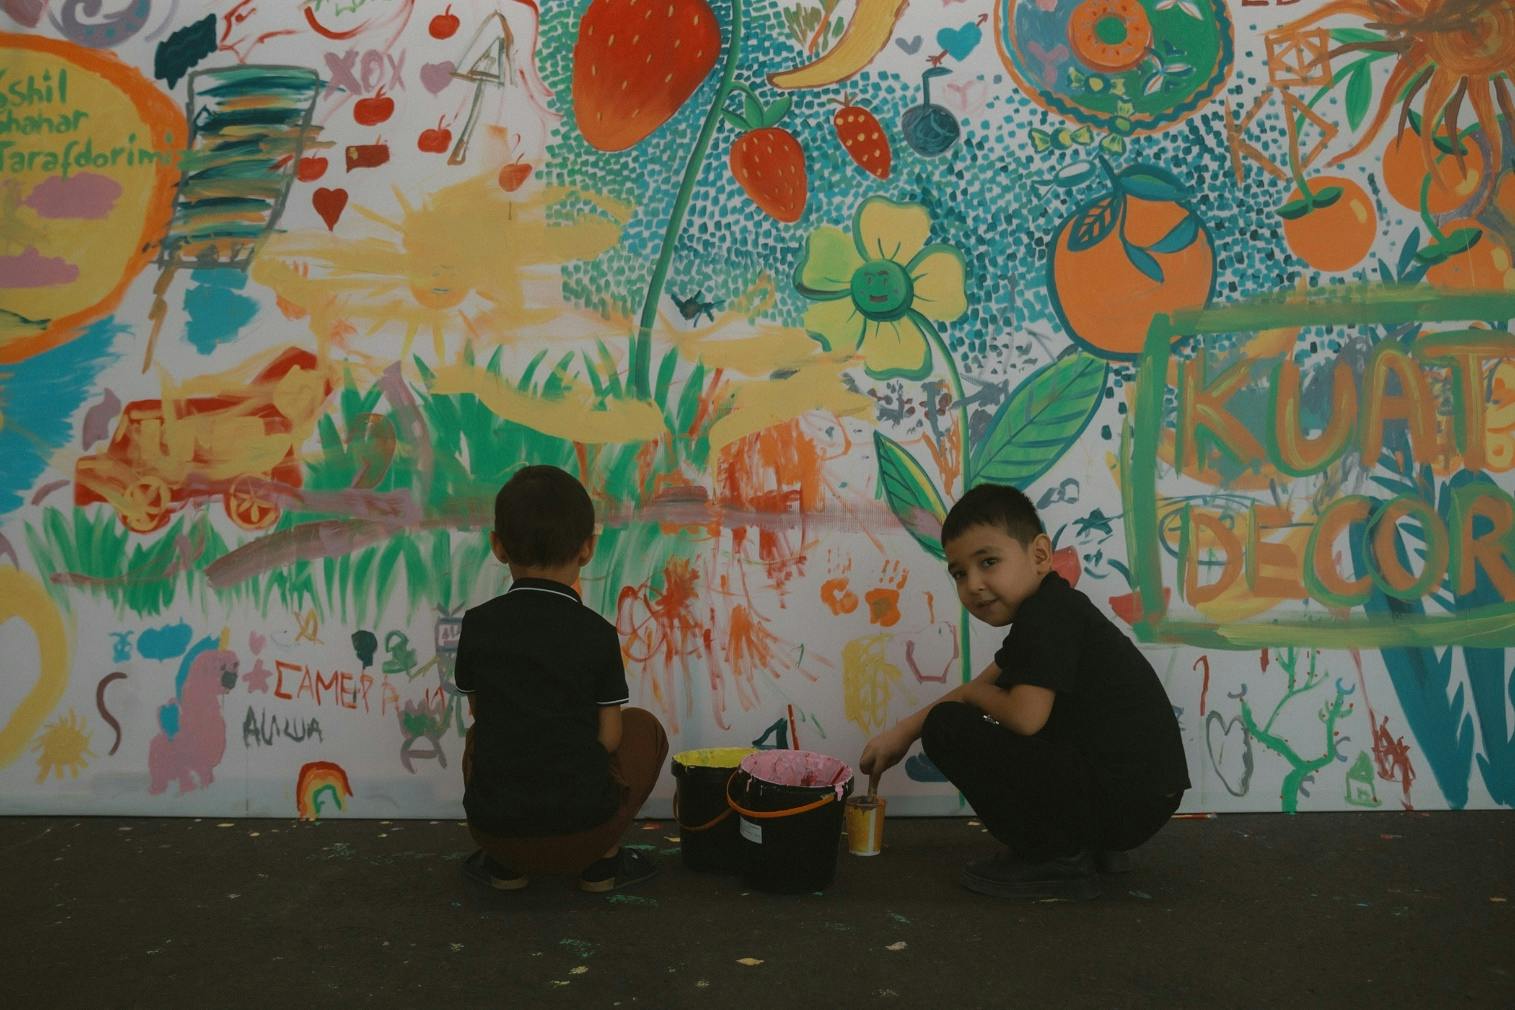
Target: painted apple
436, 140
373, 110
310, 169
1065, 563
514, 175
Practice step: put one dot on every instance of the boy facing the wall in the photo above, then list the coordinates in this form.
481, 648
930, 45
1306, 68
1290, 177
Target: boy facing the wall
1066, 744
554, 770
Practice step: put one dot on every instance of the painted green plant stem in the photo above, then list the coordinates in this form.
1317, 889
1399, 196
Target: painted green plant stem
641, 344
960, 401
1299, 768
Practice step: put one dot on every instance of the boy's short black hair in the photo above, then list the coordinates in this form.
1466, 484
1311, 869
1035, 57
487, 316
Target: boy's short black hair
543, 516
994, 505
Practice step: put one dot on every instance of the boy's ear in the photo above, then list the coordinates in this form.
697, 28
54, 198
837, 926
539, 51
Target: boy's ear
498, 547
1041, 553
586, 552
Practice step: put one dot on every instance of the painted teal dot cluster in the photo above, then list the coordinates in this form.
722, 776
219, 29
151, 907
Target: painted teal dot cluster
991, 196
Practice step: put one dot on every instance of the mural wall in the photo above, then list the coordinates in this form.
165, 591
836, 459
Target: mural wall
288, 289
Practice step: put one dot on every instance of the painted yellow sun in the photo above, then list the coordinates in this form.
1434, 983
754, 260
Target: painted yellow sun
1450, 50
467, 258
64, 743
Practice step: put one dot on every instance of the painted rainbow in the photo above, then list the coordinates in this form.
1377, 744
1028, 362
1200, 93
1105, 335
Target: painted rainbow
320, 780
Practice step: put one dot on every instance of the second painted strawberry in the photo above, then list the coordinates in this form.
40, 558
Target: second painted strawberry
766, 160
863, 137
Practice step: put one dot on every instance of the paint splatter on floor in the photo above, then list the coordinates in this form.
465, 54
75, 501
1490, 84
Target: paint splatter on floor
580, 948
631, 899
897, 945
751, 962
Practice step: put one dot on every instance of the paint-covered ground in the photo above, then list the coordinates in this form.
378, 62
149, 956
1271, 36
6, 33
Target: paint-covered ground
1368, 910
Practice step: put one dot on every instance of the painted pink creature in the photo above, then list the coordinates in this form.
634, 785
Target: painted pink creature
199, 742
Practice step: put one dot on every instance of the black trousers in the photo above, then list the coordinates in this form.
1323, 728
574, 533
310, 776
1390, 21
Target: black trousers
1040, 798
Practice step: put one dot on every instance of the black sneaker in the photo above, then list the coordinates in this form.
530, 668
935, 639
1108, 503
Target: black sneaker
481, 869
1112, 861
1006, 876
620, 870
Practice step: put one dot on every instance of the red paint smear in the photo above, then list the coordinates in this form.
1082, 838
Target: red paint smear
777, 470
310, 17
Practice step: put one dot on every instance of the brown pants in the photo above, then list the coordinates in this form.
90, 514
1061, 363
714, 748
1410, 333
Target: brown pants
635, 765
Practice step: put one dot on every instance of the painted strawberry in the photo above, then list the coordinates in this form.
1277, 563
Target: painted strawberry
766, 159
636, 62
863, 137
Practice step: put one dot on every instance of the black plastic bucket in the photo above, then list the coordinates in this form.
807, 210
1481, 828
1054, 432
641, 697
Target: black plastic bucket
708, 838
789, 808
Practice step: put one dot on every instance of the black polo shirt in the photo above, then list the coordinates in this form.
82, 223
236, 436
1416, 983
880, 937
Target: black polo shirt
1110, 705
539, 666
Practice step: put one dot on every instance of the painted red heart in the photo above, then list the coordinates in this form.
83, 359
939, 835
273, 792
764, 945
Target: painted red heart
329, 203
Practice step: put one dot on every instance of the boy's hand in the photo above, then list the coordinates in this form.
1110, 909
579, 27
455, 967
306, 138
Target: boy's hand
884, 752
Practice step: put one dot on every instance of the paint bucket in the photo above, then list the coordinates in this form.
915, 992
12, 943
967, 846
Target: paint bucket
865, 825
789, 807
708, 838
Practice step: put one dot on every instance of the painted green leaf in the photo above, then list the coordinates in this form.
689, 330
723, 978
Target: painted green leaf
1152, 183
911, 495
1040, 421
1359, 96
1355, 35
1180, 237
1143, 261
1293, 209
1092, 224
1326, 196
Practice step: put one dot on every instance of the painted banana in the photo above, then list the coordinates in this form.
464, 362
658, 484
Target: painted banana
869, 32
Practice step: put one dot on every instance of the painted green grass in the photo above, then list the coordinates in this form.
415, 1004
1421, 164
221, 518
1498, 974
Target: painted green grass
445, 562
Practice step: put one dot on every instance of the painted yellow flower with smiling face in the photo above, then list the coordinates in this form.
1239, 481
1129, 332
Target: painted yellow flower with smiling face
877, 291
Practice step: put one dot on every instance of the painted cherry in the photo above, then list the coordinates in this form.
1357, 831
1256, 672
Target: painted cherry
444, 24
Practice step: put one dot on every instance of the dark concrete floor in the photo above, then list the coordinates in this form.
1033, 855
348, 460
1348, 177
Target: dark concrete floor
1321, 910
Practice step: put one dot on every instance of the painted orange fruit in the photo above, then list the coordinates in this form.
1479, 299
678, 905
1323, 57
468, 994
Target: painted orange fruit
1127, 256
1337, 235
1484, 266
1405, 171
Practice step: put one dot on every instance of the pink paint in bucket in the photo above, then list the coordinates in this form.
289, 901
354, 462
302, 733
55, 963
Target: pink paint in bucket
790, 809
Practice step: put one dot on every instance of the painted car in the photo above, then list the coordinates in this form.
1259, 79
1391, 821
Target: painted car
238, 441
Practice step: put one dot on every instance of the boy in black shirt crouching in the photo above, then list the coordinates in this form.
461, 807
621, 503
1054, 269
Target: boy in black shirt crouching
553, 769
1066, 745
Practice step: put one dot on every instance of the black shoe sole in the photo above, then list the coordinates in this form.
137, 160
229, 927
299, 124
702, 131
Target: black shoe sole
1068, 888
475, 873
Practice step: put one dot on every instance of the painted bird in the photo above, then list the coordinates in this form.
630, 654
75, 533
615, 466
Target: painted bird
694, 306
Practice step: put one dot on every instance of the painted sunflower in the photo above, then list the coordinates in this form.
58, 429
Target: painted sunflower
878, 290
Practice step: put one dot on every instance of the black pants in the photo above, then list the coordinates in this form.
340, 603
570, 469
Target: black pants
1040, 798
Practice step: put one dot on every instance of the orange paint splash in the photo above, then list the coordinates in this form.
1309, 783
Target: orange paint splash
774, 470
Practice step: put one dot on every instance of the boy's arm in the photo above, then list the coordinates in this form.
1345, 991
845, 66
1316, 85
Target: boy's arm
1022, 709
888, 748
610, 727
912, 725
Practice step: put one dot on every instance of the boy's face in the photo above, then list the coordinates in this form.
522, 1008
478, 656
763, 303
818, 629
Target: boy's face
994, 572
